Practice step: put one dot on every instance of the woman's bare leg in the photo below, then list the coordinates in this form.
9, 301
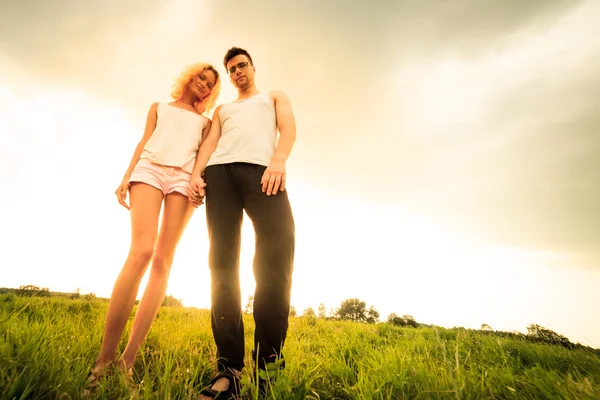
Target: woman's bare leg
146, 202
176, 215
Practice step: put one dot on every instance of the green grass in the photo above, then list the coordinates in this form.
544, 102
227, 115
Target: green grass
48, 344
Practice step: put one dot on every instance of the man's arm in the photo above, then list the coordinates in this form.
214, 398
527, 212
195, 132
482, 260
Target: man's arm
208, 145
275, 175
206, 130
286, 123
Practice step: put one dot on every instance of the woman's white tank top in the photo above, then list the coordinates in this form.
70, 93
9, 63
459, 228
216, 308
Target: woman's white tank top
176, 138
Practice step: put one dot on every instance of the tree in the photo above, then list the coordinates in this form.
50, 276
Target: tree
322, 312
546, 335
409, 320
293, 312
309, 312
249, 309
77, 294
486, 327
405, 320
372, 315
353, 310
32, 290
29, 288
170, 301
394, 319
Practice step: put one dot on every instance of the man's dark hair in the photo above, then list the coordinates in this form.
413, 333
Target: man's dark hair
235, 51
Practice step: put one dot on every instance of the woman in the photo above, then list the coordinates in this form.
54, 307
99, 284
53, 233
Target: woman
159, 173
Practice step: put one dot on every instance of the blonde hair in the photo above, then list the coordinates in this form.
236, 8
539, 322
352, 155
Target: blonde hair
184, 79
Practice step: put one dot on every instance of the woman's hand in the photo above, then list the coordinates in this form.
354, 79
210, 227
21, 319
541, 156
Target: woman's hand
121, 193
196, 191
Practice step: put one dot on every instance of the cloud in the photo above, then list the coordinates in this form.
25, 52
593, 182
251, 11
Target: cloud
115, 50
480, 114
55, 35
522, 170
503, 143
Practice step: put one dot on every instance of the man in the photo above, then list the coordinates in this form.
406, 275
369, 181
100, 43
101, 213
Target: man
246, 170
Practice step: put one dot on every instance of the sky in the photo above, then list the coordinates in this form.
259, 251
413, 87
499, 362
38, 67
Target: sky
446, 164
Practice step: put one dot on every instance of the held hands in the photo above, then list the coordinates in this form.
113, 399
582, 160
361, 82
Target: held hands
197, 191
273, 179
121, 193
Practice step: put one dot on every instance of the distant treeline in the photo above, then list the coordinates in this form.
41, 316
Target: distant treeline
349, 310
32, 290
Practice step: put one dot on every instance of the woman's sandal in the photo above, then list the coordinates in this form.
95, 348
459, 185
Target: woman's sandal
129, 379
126, 373
94, 378
92, 382
231, 393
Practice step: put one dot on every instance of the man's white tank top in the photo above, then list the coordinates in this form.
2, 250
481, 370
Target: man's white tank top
248, 131
176, 138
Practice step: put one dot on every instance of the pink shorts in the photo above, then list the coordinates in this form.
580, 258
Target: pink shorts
164, 178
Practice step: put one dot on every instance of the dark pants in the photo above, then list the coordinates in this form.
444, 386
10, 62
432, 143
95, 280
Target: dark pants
231, 189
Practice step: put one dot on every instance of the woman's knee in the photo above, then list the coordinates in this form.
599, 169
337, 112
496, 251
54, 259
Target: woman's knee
141, 254
162, 262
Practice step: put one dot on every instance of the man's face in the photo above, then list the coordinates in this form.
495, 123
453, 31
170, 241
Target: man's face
241, 71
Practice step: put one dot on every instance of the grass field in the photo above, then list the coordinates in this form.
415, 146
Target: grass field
48, 344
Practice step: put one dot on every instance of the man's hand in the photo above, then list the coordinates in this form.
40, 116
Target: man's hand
196, 191
273, 179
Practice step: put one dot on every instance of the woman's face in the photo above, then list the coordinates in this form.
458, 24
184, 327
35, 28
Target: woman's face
203, 84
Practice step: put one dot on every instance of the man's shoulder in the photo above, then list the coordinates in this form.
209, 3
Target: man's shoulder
278, 96
275, 94
217, 111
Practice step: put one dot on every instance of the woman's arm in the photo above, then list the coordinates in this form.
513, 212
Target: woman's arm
149, 129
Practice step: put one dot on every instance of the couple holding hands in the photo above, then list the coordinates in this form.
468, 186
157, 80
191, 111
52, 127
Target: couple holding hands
233, 163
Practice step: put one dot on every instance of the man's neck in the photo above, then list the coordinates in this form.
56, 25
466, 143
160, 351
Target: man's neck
247, 93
